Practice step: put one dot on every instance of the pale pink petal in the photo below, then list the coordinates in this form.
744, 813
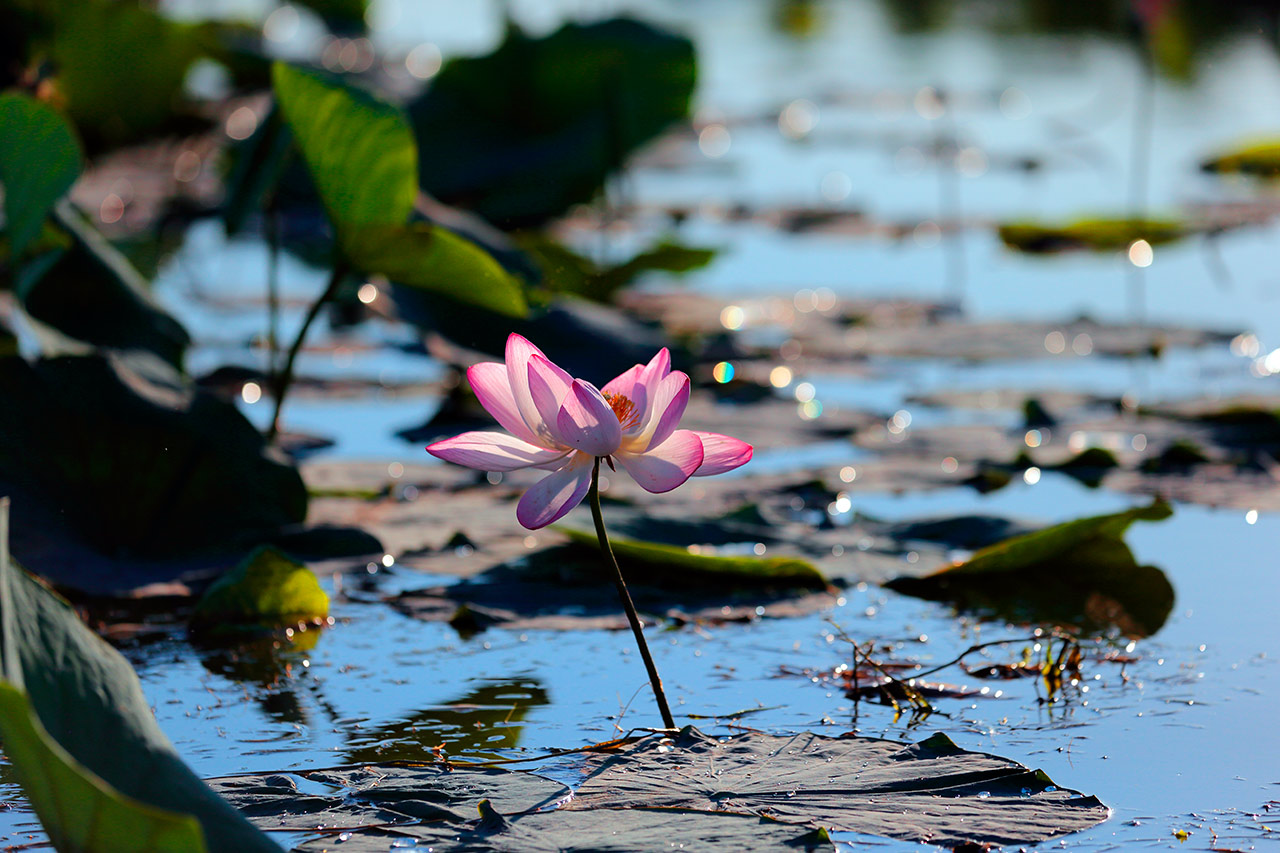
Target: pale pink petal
548, 386
555, 494
519, 351
628, 385
669, 402
650, 375
587, 422
721, 453
493, 390
667, 465
492, 451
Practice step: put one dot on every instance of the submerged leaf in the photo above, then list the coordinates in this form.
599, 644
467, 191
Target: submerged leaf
654, 561
266, 590
931, 791
88, 700
1079, 572
39, 161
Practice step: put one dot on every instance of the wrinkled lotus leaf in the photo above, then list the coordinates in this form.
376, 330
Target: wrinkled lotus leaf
1261, 159
600, 831
566, 271
1098, 235
138, 462
931, 791
266, 590
1078, 573
90, 292
382, 794
39, 161
88, 700
655, 562
535, 127
362, 157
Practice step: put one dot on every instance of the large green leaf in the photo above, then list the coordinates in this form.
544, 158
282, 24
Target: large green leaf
39, 161
359, 149
78, 810
87, 700
1098, 235
522, 134
430, 258
266, 590
362, 157
1079, 573
656, 561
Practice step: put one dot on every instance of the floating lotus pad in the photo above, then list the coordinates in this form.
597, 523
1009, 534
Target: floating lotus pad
1098, 235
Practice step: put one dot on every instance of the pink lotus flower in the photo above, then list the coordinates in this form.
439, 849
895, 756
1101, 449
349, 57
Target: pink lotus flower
562, 425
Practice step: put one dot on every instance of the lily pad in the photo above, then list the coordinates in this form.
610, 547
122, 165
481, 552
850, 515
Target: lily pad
1098, 235
87, 699
600, 831
521, 135
1078, 572
1260, 159
566, 271
382, 794
266, 590
655, 561
931, 791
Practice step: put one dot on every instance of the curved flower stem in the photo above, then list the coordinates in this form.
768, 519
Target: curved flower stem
285, 378
637, 627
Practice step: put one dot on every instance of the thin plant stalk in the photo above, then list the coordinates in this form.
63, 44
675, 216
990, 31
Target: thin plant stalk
273, 294
285, 378
637, 627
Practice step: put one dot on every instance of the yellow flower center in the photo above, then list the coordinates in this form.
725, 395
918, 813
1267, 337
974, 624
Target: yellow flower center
624, 410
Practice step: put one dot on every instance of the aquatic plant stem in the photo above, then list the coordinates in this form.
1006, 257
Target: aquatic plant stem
637, 627
285, 378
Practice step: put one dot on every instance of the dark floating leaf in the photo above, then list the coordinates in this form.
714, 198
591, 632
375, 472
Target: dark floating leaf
600, 831
931, 791
266, 590
535, 127
386, 794
1179, 456
136, 461
88, 700
1098, 235
1076, 573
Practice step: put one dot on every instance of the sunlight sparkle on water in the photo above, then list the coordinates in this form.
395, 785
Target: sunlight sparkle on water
1141, 254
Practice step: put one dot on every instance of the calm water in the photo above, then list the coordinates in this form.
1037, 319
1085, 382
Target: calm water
1184, 744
